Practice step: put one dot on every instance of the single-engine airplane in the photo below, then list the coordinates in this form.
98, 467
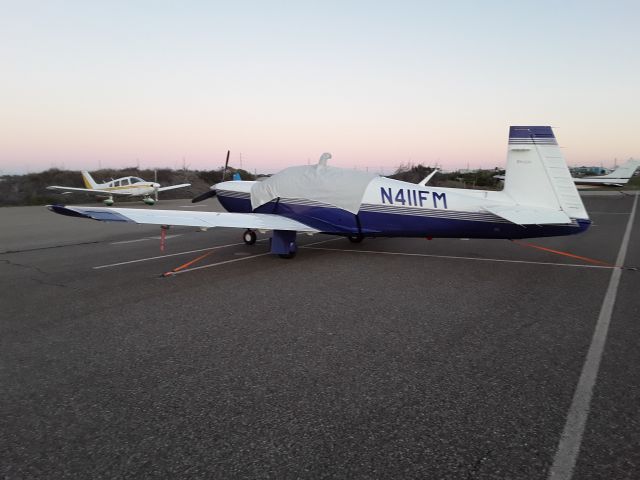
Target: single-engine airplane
539, 200
618, 178
121, 187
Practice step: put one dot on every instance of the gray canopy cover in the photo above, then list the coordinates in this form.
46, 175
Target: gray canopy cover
335, 186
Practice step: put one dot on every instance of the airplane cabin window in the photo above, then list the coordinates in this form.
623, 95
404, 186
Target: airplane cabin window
125, 181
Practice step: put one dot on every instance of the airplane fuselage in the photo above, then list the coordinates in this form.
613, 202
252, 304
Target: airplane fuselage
392, 208
140, 189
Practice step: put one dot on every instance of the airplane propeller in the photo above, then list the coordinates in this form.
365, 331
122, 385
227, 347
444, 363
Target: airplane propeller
203, 196
212, 189
226, 164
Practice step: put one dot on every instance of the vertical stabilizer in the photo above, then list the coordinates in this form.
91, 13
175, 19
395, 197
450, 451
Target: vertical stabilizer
89, 182
537, 174
624, 171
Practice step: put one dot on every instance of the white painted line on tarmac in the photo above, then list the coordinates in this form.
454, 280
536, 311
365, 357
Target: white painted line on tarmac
167, 237
308, 245
192, 251
169, 255
180, 272
124, 242
569, 445
210, 265
453, 257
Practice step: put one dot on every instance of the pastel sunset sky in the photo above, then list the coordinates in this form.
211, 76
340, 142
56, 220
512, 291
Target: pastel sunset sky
85, 84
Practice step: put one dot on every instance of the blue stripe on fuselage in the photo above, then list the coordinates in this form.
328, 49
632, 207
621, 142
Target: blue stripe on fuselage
340, 222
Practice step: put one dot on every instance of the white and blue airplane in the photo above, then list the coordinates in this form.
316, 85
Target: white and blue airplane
539, 200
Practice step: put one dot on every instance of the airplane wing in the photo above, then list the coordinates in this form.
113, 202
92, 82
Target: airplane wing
257, 221
88, 190
529, 216
171, 187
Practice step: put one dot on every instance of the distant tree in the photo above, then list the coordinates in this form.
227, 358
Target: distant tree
482, 179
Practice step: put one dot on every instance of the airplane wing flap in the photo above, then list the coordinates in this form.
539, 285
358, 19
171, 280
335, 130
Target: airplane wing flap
522, 215
258, 221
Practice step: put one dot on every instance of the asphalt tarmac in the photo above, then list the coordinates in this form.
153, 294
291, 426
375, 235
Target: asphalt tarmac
393, 358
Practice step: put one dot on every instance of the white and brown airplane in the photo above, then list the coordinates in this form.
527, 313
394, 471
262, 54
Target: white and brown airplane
120, 187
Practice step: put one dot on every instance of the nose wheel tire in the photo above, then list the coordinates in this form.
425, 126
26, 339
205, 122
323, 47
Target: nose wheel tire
249, 237
355, 238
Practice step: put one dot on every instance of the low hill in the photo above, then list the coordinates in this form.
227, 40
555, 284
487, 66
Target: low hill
31, 189
477, 179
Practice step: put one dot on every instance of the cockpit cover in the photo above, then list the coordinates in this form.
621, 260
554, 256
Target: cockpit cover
335, 186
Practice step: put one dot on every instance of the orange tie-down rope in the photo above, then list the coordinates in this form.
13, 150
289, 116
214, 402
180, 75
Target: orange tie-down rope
571, 255
185, 265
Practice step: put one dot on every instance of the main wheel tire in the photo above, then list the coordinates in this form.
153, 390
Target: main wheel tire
249, 237
355, 238
293, 249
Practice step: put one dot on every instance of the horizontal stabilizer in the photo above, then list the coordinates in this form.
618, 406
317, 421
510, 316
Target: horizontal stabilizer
257, 221
521, 215
428, 177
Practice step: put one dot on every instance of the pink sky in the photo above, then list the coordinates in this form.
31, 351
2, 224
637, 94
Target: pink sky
114, 84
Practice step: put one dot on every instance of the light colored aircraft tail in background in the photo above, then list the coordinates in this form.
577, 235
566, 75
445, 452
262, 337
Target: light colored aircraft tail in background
620, 175
89, 182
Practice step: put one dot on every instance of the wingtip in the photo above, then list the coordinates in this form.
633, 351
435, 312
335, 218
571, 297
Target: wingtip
64, 210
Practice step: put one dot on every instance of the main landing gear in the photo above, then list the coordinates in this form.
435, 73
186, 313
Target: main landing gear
249, 237
282, 242
356, 238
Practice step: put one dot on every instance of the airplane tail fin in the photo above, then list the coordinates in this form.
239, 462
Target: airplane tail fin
89, 182
624, 171
537, 174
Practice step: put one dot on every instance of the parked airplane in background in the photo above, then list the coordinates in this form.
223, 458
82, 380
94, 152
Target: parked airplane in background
539, 200
618, 178
121, 187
